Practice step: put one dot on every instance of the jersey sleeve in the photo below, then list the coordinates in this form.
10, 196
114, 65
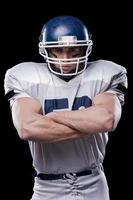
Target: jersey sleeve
14, 88
116, 81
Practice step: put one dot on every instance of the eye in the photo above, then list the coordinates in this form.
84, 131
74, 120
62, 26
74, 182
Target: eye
76, 55
54, 52
57, 50
75, 52
53, 55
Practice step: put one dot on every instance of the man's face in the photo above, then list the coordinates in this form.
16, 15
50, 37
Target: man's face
65, 53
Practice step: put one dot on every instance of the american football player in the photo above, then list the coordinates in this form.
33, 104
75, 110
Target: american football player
65, 108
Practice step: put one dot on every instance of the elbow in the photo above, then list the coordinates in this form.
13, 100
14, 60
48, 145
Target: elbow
112, 121
109, 123
24, 133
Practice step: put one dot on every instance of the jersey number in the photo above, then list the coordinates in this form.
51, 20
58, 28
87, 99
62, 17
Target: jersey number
58, 104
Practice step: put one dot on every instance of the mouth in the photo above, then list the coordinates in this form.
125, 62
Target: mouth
67, 69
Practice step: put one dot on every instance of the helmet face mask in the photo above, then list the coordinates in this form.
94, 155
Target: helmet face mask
61, 32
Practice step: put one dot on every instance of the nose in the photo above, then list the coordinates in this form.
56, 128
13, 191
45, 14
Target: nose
65, 55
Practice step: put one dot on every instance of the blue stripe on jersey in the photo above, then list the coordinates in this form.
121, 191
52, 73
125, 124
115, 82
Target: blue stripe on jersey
55, 104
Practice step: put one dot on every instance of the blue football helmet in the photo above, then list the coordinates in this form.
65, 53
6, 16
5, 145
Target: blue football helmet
65, 31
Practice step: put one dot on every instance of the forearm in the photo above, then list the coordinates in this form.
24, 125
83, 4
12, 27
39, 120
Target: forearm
44, 129
88, 121
32, 125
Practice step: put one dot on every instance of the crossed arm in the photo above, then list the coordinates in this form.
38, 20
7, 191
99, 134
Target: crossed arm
102, 116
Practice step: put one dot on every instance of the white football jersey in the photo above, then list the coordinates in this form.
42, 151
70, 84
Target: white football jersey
35, 80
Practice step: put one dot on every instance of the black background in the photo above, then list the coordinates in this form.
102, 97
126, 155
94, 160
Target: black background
21, 24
